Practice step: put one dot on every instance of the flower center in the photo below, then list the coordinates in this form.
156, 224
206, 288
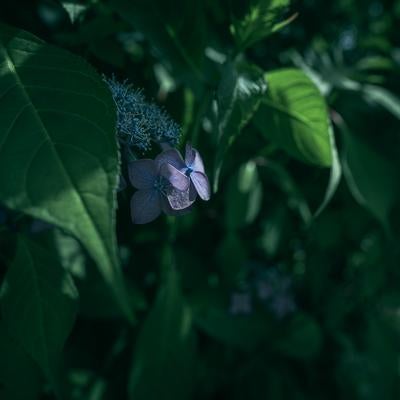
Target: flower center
161, 185
188, 171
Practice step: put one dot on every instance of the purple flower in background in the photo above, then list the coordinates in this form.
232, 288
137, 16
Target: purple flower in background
161, 187
192, 167
282, 305
264, 290
240, 303
273, 288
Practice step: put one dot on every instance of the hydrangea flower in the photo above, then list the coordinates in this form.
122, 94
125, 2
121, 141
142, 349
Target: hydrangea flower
193, 168
139, 122
161, 187
274, 290
240, 303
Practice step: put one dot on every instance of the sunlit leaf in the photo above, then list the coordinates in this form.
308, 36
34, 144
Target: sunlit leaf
334, 178
262, 18
293, 115
58, 151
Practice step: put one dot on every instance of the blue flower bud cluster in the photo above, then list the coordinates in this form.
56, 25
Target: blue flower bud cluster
168, 184
270, 287
139, 123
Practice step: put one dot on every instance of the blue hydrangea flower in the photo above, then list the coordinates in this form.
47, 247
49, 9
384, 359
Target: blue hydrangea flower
192, 167
140, 123
161, 187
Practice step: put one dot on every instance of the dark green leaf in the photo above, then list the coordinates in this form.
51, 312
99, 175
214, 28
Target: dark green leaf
39, 304
239, 94
383, 97
163, 359
58, 151
172, 33
244, 332
231, 256
243, 198
370, 176
15, 365
302, 339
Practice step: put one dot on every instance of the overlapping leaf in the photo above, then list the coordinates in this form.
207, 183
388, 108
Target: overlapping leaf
239, 94
293, 114
164, 352
58, 152
39, 304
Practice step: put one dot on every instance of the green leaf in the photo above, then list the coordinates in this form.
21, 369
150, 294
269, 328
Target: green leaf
334, 178
163, 359
74, 10
95, 301
301, 339
371, 178
39, 304
231, 257
58, 151
263, 18
15, 365
239, 93
177, 40
243, 198
293, 115
383, 97
244, 332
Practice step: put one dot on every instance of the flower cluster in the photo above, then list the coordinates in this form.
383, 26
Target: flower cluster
274, 290
168, 183
140, 123
271, 288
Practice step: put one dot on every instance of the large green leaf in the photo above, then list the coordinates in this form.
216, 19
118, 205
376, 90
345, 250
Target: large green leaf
239, 93
58, 151
164, 353
16, 364
262, 18
39, 304
372, 178
293, 114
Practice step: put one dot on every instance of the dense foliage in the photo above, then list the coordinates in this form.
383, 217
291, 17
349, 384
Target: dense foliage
283, 116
